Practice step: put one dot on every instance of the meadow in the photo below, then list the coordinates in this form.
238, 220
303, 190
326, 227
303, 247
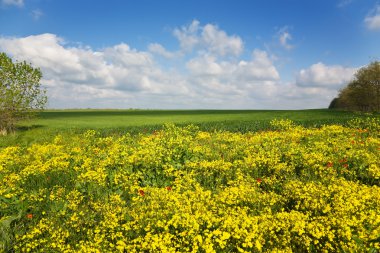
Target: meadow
117, 122
191, 181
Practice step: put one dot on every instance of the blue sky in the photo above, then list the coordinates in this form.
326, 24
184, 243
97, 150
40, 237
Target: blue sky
225, 54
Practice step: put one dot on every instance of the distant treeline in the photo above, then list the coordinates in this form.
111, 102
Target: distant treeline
362, 93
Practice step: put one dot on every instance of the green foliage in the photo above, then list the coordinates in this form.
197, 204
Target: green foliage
363, 92
334, 103
21, 94
6, 231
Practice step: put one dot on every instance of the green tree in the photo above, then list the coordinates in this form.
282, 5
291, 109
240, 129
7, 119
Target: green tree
363, 92
334, 103
21, 94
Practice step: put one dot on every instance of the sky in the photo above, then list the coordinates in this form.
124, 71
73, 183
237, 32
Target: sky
192, 54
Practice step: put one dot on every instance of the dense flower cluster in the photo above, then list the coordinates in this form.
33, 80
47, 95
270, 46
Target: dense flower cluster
293, 189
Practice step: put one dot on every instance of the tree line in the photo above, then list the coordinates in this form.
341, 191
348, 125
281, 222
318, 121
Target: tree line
362, 93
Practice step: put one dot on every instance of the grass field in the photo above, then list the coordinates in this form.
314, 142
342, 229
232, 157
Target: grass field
53, 122
103, 119
132, 181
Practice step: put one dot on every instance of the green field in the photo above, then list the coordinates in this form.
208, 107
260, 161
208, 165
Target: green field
53, 122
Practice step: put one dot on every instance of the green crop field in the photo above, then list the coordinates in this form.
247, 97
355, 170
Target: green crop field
53, 122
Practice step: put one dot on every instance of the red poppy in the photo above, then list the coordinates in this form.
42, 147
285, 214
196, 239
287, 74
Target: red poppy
29, 216
345, 165
141, 192
329, 164
343, 160
169, 188
259, 180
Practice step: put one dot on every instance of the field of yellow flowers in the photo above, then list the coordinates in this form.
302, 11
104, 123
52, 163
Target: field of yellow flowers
291, 189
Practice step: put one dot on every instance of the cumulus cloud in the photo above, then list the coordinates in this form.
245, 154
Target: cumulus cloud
45, 51
219, 42
259, 68
158, 49
253, 80
205, 66
209, 74
80, 73
18, 3
321, 75
109, 71
372, 20
208, 38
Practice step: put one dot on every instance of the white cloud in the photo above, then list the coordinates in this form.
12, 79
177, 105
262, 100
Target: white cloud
123, 56
259, 68
372, 20
284, 37
204, 66
208, 38
213, 78
119, 76
18, 3
219, 42
45, 51
188, 36
321, 75
81, 74
156, 48
117, 68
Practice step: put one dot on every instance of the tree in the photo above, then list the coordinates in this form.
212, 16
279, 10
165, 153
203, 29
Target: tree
21, 94
334, 103
363, 92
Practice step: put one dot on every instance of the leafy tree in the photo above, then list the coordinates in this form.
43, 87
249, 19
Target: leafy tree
334, 103
363, 92
21, 94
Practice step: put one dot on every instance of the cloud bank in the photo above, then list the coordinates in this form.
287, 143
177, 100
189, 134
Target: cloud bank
211, 73
320, 75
